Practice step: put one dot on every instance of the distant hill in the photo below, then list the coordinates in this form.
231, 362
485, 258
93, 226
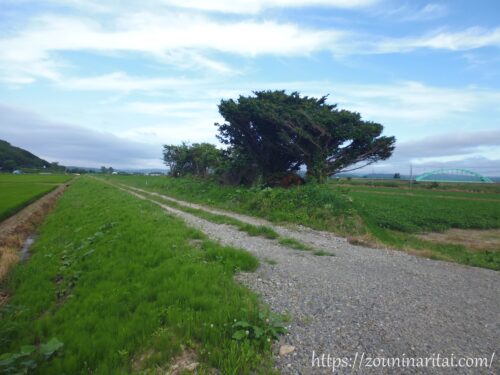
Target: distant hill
12, 158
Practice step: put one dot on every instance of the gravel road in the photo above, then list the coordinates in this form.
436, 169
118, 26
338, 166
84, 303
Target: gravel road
366, 302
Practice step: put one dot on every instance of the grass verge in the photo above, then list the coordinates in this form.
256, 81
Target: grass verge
438, 251
310, 205
250, 229
125, 287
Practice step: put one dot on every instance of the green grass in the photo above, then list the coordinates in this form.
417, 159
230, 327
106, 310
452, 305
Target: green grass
294, 244
387, 212
322, 253
121, 279
250, 229
309, 205
17, 191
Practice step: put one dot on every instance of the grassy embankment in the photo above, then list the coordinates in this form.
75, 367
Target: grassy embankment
392, 216
126, 288
251, 229
17, 191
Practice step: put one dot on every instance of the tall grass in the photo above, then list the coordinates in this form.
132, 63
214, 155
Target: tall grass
121, 283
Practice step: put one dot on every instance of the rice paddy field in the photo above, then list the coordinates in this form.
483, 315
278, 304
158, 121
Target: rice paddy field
385, 213
17, 191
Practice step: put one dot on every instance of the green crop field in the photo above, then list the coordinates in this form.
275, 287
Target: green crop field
420, 185
17, 191
391, 215
427, 211
123, 287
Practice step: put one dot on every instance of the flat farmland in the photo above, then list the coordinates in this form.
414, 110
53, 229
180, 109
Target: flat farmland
414, 211
17, 191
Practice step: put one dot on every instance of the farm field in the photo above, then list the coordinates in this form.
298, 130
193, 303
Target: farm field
488, 195
17, 191
122, 287
391, 217
421, 185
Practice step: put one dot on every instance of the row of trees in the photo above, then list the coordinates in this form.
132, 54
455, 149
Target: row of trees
273, 134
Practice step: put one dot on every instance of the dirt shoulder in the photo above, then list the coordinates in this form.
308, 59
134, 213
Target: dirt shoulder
16, 229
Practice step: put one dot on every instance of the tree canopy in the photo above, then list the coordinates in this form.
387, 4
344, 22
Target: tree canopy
279, 132
196, 159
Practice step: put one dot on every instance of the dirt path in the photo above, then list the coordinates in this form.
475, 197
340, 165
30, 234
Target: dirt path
367, 302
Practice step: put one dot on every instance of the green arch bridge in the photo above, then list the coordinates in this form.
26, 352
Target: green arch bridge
460, 174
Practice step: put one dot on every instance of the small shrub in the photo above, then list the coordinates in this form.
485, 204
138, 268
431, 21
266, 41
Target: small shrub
29, 357
267, 328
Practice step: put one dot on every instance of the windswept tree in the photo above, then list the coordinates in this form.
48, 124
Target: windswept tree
254, 128
196, 159
280, 132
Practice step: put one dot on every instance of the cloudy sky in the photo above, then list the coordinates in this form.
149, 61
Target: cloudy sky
91, 83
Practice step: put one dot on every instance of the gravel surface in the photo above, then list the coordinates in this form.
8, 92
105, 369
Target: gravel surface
369, 302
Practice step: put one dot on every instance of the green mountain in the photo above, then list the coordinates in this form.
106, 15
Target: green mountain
12, 158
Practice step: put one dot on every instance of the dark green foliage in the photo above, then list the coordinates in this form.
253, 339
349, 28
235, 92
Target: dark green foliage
279, 132
12, 157
266, 328
254, 128
198, 159
237, 168
105, 170
29, 357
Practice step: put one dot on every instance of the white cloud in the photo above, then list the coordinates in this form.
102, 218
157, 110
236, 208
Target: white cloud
468, 39
123, 83
176, 38
408, 102
187, 39
179, 109
411, 12
413, 101
222, 6
256, 6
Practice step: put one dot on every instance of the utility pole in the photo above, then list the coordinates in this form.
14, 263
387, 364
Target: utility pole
411, 174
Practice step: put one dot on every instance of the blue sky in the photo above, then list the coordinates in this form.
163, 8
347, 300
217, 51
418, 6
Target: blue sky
92, 83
